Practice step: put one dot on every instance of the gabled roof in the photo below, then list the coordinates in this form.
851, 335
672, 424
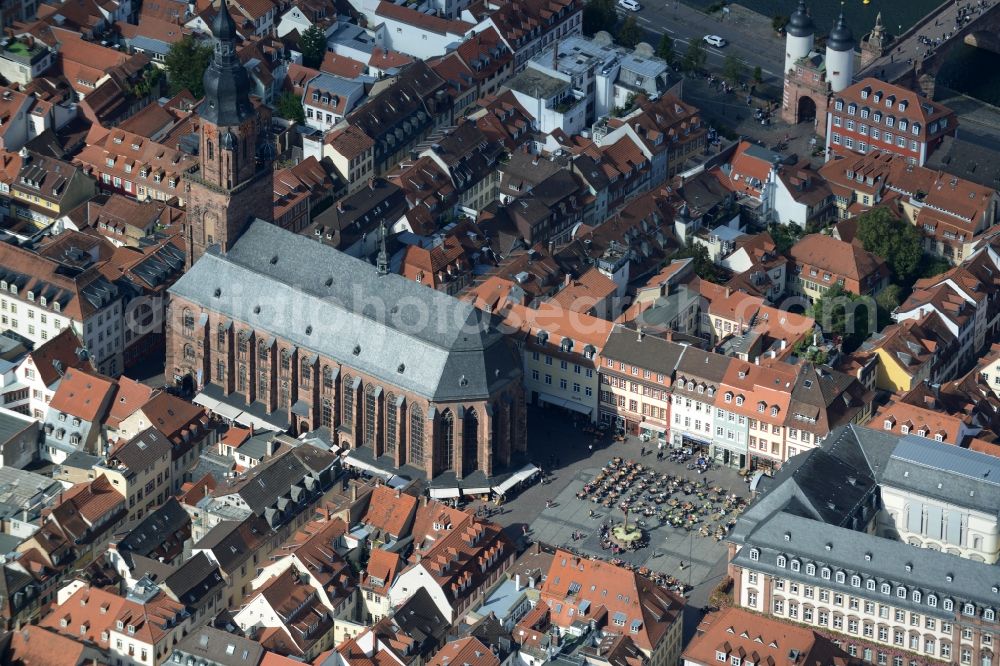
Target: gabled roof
847, 260
54, 357
390, 511
618, 599
83, 395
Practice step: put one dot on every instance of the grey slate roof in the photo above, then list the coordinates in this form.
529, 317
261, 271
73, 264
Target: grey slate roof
149, 533
328, 303
947, 473
137, 453
194, 579
220, 648
809, 511
270, 480
808, 541
651, 352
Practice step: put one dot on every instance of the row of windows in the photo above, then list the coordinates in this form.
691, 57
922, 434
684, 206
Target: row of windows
901, 591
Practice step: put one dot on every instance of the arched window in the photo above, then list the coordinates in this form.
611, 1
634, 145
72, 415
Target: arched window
187, 321
220, 337
283, 393
242, 379
327, 377
470, 441
327, 413
390, 423
262, 350
262, 384
305, 374
347, 413
370, 409
188, 353
209, 150
416, 435
446, 441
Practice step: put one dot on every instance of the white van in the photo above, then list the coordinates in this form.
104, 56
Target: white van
715, 40
630, 5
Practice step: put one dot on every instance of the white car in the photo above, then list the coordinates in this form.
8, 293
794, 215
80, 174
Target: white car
630, 5
714, 40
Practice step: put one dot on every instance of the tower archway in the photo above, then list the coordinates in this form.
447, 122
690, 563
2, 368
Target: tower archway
806, 111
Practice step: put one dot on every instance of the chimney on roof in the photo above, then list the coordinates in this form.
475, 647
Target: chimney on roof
670, 335
639, 334
354, 492
729, 292
371, 184
340, 205
566, 280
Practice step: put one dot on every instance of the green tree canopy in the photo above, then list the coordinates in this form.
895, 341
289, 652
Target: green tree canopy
845, 315
665, 49
629, 34
702, 263
289, 107
758, 74
312, 44
778, 23
733, 69
695, 56
895, 241
186, 62
784, 235
599, 15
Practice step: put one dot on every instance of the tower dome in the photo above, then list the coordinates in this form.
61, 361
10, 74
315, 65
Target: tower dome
801, 24
841, 38
840, 55
799, 35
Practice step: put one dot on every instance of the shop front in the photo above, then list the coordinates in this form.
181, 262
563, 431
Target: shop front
653, 433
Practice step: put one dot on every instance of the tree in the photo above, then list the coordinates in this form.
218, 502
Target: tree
186, 63
784, 235
845, 315
931, 266
312, 44
289, 107
758, 74
733, 69
629, 34
599, 15
888, 300
895, 241
778, 23
665, 49
702, 263
694, 56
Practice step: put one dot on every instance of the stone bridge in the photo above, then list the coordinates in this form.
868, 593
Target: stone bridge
909, 62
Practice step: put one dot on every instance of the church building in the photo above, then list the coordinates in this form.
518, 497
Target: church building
276, 330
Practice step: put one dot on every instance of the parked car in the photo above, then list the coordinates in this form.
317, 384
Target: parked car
630, 5
714, 40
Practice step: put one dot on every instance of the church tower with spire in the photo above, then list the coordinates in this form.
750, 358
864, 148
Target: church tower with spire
234, 184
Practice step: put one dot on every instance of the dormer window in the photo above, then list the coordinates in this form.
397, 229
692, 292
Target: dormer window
888, 424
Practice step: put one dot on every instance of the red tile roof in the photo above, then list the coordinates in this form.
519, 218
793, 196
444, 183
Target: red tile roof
83, 395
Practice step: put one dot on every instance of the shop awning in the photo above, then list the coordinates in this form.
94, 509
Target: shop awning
367, 467
476, 491
445, 493
227, 411
205, 401
522, 474
248, 419
564, 403
653, 427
